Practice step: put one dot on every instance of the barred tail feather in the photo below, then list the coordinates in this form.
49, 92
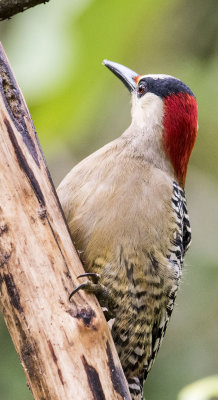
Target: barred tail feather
135, 388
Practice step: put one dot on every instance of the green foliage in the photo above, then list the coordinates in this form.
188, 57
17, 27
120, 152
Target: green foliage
12, 380
204, 389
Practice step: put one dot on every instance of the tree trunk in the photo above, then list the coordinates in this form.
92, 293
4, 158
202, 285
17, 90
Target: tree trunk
65, 347
8, 8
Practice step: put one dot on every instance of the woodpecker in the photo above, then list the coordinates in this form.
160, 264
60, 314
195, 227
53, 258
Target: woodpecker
126, 210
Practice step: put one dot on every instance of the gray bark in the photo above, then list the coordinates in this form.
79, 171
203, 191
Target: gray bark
66, 348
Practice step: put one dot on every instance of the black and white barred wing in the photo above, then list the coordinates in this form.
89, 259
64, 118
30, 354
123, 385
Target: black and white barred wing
175, 255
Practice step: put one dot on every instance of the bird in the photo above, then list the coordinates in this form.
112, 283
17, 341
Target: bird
126, 209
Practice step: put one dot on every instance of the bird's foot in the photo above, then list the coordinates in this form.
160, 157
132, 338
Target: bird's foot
101, 292
91, 286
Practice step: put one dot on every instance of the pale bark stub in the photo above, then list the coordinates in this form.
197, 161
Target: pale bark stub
65, 347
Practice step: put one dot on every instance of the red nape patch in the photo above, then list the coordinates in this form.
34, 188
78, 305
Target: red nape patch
180, 131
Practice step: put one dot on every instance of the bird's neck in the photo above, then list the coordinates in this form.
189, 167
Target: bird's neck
146, 143
164, 132
145, 134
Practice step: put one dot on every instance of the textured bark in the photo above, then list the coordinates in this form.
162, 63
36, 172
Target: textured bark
65, 347
8, 8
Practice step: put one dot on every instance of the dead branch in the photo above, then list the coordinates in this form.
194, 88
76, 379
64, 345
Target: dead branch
65, 348
8, 8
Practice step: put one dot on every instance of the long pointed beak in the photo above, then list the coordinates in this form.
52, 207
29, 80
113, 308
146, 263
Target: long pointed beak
126, 75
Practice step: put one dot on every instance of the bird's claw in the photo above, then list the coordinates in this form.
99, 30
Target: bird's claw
101, 292
86, 285
82, 286
94, 277
91, 286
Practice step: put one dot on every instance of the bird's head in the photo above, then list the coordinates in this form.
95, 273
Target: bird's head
164, 109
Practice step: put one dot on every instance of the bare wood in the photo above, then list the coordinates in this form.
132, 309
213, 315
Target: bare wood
8, 8
65, 348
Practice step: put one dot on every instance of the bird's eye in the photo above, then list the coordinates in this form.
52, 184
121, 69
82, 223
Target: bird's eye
141, 88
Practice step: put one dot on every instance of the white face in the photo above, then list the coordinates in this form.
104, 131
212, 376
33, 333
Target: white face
147, 111
147, 125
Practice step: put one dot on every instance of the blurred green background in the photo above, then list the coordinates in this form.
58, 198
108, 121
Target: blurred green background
77, 105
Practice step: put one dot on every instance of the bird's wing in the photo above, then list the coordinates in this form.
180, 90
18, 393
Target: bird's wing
180, 244
180, 207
